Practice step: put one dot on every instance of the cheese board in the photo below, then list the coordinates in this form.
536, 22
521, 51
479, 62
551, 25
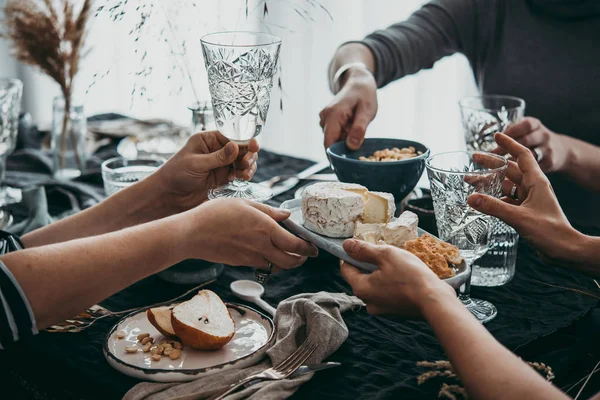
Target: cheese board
295, 223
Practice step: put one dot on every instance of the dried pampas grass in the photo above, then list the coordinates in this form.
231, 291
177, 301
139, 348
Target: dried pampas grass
49, 35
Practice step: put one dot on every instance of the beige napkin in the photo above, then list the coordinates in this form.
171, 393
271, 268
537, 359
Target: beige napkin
314, 315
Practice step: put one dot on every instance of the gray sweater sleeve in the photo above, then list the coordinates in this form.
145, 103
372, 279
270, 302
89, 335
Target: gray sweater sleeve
440, 28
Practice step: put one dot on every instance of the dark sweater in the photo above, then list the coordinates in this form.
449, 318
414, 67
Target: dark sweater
515, 48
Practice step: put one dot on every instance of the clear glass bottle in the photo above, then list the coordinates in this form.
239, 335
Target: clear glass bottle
69, 153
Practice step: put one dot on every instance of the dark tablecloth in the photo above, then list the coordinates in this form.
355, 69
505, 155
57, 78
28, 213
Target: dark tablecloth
540, 322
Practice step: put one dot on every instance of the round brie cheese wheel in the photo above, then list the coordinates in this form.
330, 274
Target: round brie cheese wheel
333, 208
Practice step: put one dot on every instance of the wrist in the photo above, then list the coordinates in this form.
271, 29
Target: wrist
430, 295
346, 72
572, 157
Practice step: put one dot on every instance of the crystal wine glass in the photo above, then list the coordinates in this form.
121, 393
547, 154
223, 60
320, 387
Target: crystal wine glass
241, 67
11, 91
453, 178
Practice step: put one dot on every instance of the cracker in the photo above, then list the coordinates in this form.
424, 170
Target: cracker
426, 252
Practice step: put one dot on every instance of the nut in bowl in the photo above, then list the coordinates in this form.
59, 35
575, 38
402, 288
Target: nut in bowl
392, 171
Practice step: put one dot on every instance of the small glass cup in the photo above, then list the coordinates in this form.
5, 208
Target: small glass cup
119, 173
484, 116
453, 178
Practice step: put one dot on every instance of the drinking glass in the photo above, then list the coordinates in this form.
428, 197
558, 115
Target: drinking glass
483, 117
119, 173
11, 92
453, 178
241, 67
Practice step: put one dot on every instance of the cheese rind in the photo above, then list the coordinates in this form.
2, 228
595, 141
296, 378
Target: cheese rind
332, 208
401, 230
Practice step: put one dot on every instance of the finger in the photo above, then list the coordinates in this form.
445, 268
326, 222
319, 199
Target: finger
356, 134
533, 139
220, 158
246, 161
333, 128
245, 174
290, 243
495, 207
355, 278
363, 251
522, 128
507, 187
488, 160
522, 154
514, 173
284, 260
278, 214
253, 146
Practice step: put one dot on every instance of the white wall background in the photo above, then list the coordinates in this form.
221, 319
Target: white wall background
421, 107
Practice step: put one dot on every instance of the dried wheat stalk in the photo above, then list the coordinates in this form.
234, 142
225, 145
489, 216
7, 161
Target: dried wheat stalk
50, 35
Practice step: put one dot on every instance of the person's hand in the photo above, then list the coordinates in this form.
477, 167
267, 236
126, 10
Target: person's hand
203, 163
242, 233
402, 285
552, 147
534, 211
351, 110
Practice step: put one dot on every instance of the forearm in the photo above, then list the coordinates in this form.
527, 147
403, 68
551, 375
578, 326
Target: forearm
486, 368
583, 163
585, 256
61, 280
132, 206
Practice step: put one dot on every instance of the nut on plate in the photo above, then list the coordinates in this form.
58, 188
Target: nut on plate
131, 349
175, 354
120, 335
147, 339
156, 357
141, 336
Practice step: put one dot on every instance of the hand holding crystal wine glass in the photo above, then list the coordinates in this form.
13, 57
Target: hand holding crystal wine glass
453, 178
241, 67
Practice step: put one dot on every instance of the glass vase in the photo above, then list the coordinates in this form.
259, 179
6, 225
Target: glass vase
69, 140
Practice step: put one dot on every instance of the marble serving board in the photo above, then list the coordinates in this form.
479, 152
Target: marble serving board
295, 223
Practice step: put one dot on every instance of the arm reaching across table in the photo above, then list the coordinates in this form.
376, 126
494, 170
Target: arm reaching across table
62, 279
440, 28
536, 215
179, 185
404, 286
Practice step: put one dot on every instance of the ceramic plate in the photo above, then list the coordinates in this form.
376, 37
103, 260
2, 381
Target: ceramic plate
295, 223
254, 335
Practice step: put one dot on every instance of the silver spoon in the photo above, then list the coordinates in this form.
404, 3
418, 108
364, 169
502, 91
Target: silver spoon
251, 291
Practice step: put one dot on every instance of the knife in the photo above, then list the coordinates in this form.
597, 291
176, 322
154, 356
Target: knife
294, 180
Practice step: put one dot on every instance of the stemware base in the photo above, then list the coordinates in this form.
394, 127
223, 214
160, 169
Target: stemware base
242, 190
483, 310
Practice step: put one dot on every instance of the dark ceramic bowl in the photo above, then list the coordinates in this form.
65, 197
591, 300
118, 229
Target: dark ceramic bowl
396, 177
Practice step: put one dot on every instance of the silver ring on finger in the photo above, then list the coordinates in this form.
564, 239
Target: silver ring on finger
513, 192
538, 154
263, 275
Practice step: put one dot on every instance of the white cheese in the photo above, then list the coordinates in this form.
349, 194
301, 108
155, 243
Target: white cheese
401, 230
332, 208
371, 233
380, 208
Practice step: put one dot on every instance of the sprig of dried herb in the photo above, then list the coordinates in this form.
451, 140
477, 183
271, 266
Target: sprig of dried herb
50, 35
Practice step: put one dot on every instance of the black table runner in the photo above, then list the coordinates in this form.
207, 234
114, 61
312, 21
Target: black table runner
379, 358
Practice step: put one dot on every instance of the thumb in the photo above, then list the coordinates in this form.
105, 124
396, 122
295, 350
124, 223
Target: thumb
278, 214
495, 207
223, 157
362, 251
356, 134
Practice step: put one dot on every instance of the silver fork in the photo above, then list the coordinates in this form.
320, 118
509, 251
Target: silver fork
280, 371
